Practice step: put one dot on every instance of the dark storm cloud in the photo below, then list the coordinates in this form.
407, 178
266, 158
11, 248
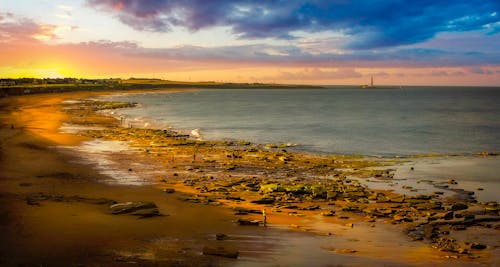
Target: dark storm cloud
371, 24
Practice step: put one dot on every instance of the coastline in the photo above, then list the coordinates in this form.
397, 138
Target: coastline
186, 166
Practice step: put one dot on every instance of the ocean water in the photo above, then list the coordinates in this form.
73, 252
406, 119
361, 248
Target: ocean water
344, 120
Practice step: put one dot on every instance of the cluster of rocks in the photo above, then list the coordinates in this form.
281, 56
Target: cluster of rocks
241, 172
427, 217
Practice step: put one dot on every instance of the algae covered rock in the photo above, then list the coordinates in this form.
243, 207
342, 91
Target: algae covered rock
269, 188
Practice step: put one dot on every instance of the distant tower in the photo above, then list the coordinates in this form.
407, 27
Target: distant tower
371, 83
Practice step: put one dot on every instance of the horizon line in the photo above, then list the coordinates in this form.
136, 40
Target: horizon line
256, 82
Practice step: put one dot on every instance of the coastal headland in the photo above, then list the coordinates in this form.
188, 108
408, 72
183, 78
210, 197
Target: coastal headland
170, 200
27, 86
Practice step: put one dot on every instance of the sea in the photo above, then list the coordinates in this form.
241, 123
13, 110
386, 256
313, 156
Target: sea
336, 120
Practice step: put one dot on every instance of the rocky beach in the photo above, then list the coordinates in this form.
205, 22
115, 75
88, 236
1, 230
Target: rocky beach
82, 188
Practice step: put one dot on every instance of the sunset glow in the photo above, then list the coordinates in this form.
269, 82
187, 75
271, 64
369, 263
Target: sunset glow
302, 42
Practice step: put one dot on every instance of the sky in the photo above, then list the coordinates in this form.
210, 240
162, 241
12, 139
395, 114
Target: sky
425, 42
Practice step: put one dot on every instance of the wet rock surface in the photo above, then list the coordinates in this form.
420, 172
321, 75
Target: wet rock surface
221, 252
140, 209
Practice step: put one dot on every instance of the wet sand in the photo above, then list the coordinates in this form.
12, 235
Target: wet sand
42, 170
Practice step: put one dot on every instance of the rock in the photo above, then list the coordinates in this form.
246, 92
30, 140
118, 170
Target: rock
230, 168
398, 199
318, 191
234, 198
264, 200
146, 213
343, 251
296, 189
312, 207
222, 237
449, 215
468, 217
245, 211
191, 199
32, 202
246, 222
141, 209
169, 190
422, 197
459, 206
269, 188
476, 245
452, 181
428, 205
351, 208
422, 231
430, 232
328, 213
221, 252
402, 218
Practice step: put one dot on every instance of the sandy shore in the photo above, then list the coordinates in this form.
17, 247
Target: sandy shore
55, 203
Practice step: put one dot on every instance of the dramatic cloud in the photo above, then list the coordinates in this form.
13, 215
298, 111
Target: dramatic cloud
372, 24
311, 53
14, 29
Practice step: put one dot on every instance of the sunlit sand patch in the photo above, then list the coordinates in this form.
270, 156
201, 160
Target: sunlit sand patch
98, 154
75, 129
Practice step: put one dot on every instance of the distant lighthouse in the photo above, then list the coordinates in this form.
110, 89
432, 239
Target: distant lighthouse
369, 86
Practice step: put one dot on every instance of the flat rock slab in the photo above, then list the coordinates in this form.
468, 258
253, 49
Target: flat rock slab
141, 209
221, 252
248, 222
